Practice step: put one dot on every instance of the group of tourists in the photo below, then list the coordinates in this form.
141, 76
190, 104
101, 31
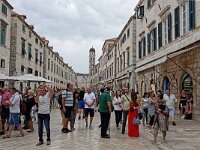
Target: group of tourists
154, 110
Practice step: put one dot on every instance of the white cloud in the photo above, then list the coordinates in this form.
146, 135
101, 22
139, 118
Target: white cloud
74, 26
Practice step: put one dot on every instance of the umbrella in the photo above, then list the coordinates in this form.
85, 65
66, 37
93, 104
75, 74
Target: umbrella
30, 77
4, 77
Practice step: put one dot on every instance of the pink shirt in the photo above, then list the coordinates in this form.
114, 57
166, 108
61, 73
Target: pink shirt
6, 97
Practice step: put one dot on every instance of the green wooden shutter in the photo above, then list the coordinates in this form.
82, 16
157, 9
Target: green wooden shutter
140, 50
149, 42
169, 28
191, 14
144, 46
177, 22
155, 38
4, 9
160, 35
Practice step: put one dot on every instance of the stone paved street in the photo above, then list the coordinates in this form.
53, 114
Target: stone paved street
184, 137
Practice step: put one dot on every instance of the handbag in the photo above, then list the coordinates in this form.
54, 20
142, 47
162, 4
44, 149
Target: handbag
136, 121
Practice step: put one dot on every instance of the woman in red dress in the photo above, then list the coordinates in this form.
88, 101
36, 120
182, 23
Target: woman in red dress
133, 129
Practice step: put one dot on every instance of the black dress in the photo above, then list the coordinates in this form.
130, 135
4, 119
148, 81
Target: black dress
29, 104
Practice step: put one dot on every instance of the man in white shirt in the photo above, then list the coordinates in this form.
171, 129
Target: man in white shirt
89, 99
14, 105
170, 100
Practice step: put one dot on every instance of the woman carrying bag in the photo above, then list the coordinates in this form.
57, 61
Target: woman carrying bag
133, 117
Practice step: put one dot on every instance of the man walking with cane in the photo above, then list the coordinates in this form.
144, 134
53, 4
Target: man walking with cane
105, 110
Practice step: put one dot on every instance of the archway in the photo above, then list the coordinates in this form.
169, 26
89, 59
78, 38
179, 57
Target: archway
166, 84
186, 83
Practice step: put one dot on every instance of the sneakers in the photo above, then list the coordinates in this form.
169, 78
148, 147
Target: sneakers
64, 130
90, 127
39, 143
68, 130
174, 123
48, 143
86, 126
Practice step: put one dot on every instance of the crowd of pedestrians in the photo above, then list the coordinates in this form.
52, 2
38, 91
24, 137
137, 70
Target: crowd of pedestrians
154, 110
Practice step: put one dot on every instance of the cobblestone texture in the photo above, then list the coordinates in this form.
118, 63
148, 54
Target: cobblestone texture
185, 136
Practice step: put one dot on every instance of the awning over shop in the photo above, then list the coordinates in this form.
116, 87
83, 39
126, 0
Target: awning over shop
122, 77
151, 64
3, 77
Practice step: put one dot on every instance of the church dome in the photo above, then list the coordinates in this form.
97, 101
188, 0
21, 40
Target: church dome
92, 49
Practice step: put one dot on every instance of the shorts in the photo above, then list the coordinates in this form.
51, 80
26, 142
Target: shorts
5, 112
68, 112
14, 119
81, 104
89, 111
171, 112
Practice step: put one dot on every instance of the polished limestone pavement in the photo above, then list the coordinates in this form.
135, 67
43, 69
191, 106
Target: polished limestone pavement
185, 136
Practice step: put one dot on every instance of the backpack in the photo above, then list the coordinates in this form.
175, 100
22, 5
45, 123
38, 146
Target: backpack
60, 99
22, 107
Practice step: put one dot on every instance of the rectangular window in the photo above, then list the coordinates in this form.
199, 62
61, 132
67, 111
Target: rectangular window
30, 70
192, 14
30, 34
22, 68
152, 41
41, 61
160, 35
48, 67
4, 9
117, 64
3, 63
177, 22
128, 33
144, 47
36, 40
36, 56
124, 60
29, 52
169, 28
41, 45
36, 73
121, 63
140, 50
3, 34
23, 47
51, 66
23, 28
128, 58
149, 43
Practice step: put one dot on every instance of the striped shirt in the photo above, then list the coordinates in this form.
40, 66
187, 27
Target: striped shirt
44, 104
69, 100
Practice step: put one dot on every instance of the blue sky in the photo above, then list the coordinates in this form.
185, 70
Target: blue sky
74, 26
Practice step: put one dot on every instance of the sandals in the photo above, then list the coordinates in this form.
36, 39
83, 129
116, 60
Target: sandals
6, 136
20, 135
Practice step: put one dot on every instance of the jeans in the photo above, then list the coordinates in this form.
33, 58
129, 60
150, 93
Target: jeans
118, 116
105, 118
125, 116
43, 118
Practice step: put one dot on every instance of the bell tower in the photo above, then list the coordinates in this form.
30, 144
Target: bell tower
91, 60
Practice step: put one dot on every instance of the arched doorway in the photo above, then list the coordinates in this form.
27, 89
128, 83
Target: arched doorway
166, 84
186, 83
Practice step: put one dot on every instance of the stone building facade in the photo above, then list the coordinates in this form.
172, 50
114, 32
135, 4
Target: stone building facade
118, 59
168, 43
82, 80
125, 52
29, 53
5, 23
27, 50
55, 69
